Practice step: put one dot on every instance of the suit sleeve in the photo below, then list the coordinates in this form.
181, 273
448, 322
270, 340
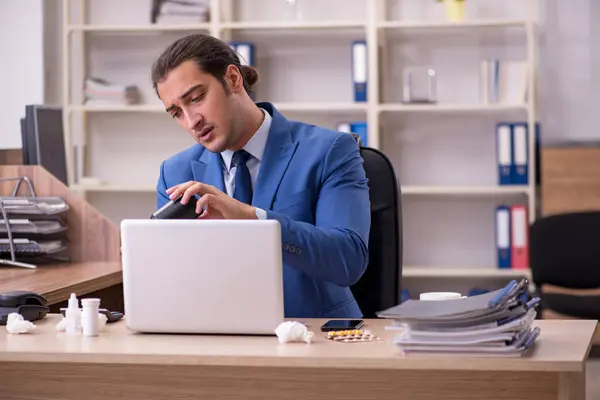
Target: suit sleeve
335, 249
161, 188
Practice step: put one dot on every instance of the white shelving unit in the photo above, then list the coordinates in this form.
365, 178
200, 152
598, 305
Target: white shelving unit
444, 153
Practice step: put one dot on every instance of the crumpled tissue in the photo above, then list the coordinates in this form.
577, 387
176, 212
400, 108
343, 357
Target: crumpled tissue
15, 323
293, 331
62, 324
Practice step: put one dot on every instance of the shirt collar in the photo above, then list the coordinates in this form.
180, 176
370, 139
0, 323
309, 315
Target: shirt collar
257, 143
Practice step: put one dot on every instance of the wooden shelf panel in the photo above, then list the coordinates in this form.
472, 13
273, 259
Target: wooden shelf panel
266, 25
466, 190
491, 23
329, 25
114, 188
441, 107
462, 272
304, 107
139, 28
117, 108
290, 106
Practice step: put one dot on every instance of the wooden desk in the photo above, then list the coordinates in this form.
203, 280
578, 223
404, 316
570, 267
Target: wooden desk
57, 282
120, 364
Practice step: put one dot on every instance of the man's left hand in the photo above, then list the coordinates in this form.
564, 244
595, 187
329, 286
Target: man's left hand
216, 204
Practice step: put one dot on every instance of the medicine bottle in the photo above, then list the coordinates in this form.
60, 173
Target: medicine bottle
90, 321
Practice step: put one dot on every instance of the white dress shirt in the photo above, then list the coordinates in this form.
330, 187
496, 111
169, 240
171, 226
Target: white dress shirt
256, 147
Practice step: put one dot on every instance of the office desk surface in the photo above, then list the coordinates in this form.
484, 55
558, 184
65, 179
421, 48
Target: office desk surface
562, 346
57, 282
123, 364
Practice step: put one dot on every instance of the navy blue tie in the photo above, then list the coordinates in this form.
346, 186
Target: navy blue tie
243, 182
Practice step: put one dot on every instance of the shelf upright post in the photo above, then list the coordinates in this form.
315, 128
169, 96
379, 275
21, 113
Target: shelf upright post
83, 155
531, 103
66, 90
217, 7
374, 13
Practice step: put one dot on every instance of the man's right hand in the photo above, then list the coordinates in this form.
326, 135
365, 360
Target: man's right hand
213, 203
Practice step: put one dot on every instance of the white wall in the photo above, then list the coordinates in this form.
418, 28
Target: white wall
569, 62
53, 51
21, 65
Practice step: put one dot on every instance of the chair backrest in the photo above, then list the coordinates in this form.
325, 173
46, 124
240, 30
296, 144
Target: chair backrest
564, 250
379, 288
565, 264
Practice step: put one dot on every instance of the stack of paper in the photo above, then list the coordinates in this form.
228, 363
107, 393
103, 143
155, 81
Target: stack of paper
181, 11
100, 91
495, 323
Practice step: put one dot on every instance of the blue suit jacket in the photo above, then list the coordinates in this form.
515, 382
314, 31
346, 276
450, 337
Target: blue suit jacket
312, 181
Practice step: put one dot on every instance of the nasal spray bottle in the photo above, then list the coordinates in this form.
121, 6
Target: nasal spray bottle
73, 316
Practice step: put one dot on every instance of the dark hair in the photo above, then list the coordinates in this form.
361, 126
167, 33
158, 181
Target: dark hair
212, 56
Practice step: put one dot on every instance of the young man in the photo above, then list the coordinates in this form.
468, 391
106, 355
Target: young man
250, 162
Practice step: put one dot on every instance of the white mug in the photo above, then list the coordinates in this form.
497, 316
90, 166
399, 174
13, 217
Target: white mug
435, 296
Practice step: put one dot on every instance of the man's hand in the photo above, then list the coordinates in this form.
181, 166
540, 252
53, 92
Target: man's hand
216, 204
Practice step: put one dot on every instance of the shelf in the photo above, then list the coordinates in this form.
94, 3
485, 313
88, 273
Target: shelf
139, 28
288, 107
321, 107
306, 71
441, 107
462, 272
318, 107
113, 188
406, 190
307, 25
451, 25
465, 190
118, 108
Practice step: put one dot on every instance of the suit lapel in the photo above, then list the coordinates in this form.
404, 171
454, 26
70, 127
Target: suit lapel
208, 169
277, 155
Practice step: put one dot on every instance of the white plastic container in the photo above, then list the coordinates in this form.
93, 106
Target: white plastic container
90, 320
436, 296
73, 316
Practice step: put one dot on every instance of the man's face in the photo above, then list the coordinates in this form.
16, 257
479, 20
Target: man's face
201, 105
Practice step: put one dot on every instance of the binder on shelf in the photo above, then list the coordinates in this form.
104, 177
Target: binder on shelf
359, 70
343, 127
360, 128
357, 127
504, 151
536, 154
513, 143
246, 52
519, 237
503, 236
503, 81
520, 172
489, 76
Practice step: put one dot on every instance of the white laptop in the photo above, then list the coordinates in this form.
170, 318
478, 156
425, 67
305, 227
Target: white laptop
202, 276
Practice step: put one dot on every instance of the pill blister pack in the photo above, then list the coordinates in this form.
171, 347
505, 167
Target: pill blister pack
352, 336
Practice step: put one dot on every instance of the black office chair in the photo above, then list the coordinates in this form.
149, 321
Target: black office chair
379, 288
565, 264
